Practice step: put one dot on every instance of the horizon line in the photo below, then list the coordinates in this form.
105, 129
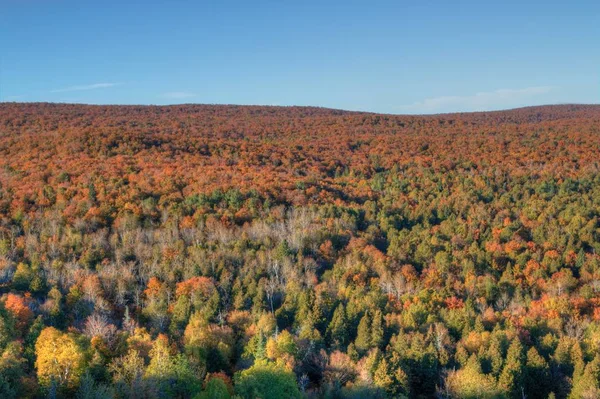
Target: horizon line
294, 106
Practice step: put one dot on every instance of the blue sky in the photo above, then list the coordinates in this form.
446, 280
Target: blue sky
383, 56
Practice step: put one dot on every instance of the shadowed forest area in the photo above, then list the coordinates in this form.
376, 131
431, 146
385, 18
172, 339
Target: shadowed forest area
207, 251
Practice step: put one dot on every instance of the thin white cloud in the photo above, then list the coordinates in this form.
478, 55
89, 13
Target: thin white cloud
175, 95
483, 101
85, 87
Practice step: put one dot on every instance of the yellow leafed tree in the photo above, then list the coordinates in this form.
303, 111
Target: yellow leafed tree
59, 359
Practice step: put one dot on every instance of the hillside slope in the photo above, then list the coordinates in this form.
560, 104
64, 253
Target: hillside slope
296, 251
177, 150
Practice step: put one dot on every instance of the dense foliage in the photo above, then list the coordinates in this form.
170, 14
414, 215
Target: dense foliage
222, 251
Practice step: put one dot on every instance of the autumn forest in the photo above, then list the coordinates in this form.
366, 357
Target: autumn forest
202, 251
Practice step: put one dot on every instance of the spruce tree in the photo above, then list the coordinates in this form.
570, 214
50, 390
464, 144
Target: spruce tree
587, 384
338, 328
495, 355
363, 336
382, 377
352, 352
537, 375
377, 332
511, 378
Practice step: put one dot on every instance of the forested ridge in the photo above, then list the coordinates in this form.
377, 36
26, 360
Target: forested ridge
213, 251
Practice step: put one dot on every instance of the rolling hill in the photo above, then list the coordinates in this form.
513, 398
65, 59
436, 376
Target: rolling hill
175, 251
